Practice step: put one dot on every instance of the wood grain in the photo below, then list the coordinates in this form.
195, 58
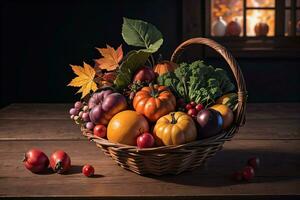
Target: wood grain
51, 122
274, 177
272, 132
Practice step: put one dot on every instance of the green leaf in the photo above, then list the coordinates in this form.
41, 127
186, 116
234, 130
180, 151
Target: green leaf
141, 34
129, 66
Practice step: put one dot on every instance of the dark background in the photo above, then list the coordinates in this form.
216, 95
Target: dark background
40, 39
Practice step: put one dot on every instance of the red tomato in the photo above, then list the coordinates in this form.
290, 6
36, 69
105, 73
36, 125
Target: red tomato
60, 162
88, 170
36, 161
145, 140
100, 131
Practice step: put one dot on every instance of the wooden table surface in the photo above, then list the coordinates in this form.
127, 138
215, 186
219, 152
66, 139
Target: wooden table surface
272, 133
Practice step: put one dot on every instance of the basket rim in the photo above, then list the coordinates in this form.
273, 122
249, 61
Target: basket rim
220, 137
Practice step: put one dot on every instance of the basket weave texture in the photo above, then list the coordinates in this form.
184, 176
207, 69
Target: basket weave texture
180, 158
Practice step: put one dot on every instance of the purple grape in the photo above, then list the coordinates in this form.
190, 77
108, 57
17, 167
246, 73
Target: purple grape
73, 111
78, 105
86, 117
90, 125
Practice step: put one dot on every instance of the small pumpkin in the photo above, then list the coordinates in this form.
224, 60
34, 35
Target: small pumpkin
154, 102
164, 67
261, 29
174, 129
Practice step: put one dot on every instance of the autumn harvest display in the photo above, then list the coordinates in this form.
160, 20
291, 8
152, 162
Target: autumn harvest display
143, 111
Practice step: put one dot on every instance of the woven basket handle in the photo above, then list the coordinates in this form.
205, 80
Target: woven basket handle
242, 93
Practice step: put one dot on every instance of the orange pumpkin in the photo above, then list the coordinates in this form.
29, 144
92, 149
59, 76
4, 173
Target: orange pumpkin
154, 102
164, 67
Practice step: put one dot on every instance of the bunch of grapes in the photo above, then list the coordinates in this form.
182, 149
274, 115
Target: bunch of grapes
80, 114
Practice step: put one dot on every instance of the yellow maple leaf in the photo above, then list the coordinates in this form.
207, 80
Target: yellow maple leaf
111, 57
84, 79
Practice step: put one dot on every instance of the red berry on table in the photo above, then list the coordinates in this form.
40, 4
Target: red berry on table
248, 173
100, 130
254, 162
145, 140
199, 107
88, 170
188, 106
238, 176
193, 104
192, 112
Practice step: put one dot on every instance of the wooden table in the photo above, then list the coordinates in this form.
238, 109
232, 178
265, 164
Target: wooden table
272, 133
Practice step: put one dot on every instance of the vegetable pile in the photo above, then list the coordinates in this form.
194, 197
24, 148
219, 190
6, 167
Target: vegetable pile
141, 100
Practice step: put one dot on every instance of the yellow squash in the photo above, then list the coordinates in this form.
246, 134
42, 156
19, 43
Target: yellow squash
174, 129
226, 113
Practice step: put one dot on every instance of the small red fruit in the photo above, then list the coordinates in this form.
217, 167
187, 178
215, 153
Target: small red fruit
188, 106
100, 131
192, 112
181, 102
36, 161
248, 173
88, 170
145, 140
254, 162
238, 176
60, 162
193, 104
199, 107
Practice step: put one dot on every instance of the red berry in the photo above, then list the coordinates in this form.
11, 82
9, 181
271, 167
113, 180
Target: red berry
145, 140
188, 106
193, 104
100, 130
254, 162
248, 173
180, 102
238, 176
192, 112
199, 107
88, 170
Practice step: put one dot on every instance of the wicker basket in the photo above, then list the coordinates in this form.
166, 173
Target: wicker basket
176, 159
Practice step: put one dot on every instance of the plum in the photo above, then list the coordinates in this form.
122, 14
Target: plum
145, 74
210, 122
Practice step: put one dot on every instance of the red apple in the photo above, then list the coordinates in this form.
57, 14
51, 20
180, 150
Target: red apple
145, 74
145, 140
100, 130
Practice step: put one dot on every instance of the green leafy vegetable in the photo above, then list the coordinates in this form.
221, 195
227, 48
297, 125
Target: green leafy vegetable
141, 34
129, 66
197, 82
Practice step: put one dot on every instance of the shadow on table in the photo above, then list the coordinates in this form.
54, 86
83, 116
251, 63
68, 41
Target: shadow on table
274, 167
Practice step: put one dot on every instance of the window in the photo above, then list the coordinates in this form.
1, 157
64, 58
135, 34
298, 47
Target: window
248, 28
254, 18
